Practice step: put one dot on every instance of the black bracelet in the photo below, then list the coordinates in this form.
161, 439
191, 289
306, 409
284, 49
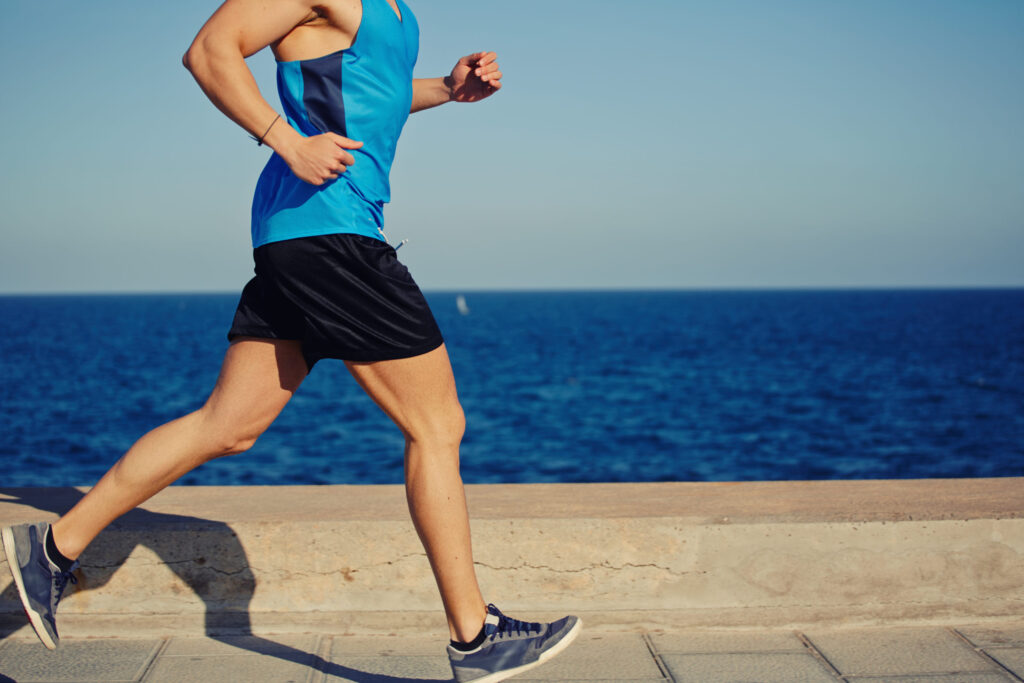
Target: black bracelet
259, 140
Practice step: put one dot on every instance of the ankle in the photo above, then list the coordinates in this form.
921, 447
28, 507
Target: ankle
470, 645
54, 554
466, 629
59, 539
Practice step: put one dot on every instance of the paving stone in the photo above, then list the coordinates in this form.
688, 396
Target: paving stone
78, 661
740, 641
242, 645
411, 669
359, 658
888, 652
1011, 658
589, 680
601, 657
229, 669
988, 636
767, 667
951, 678
361, 646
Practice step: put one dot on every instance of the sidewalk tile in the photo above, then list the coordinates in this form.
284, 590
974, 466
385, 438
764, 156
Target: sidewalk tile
887, 652
78, 661
589, 680
735, 642
228, 669
987, 636
776, 667
601, 657
242, 645
363, 646
1011, 658
951, 678
414, 669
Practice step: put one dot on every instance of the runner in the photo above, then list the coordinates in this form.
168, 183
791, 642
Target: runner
327, 285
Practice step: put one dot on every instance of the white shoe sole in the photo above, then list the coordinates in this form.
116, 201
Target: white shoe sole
34, 618
565, 642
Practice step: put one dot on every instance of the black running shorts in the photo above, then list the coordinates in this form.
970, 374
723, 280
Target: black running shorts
343, 296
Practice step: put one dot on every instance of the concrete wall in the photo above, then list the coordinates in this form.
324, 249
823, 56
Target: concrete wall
661, 555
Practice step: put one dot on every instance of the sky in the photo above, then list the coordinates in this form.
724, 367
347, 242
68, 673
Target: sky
652, 144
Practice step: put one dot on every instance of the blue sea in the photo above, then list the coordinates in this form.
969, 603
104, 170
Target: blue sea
557, 387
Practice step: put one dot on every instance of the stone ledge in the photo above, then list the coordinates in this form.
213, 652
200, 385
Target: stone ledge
705, 502
663, 555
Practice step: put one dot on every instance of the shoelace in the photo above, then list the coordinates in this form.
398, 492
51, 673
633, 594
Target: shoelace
508, 625
60, 581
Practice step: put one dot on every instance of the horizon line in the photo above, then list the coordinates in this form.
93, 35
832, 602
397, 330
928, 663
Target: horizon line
550, 290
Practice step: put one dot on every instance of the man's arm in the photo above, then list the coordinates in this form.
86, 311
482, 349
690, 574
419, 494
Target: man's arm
216, 59
474, 77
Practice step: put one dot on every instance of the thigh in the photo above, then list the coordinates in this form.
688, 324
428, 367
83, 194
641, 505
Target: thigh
418, 393
256, 381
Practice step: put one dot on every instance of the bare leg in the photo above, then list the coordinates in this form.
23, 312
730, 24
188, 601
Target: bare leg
257, 379
419, 395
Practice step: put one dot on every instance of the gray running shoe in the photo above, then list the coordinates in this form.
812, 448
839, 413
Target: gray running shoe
511, 647
40, 582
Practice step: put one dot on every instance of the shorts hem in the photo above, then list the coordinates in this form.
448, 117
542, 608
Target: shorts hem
256, 332
312, 355
374, 355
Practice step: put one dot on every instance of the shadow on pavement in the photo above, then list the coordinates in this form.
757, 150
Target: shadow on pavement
219, 575
291, 654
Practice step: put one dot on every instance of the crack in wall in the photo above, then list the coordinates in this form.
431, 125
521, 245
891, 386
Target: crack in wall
593, 567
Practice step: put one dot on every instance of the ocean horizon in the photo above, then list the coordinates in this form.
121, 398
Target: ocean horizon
573, 385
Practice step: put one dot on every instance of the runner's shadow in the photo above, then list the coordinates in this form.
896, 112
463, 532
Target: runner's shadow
269, 647
220, 575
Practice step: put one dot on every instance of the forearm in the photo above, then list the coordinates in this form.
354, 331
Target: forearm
221, 72
428, 93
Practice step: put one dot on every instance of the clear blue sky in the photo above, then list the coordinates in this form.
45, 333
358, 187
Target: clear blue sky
650, 144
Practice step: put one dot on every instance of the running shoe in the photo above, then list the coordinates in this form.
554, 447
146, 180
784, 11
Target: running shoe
511, 647
40, 582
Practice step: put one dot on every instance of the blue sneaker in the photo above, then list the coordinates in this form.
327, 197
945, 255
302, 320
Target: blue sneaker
40, 582
511, 647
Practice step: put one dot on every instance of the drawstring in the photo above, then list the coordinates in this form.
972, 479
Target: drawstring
397, 246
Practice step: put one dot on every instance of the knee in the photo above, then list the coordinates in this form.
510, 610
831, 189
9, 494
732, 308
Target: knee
444, 428
223, 439
227, 443
233, 445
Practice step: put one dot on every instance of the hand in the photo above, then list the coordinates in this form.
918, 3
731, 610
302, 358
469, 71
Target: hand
320, 158
474, 77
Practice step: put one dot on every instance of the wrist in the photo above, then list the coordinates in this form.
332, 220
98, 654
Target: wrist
281, 137
448, 86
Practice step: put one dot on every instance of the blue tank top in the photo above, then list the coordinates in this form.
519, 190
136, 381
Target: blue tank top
363, 93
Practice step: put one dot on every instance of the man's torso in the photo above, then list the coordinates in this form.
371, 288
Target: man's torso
348, 71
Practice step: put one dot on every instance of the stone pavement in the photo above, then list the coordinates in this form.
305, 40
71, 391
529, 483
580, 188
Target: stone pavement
990, 653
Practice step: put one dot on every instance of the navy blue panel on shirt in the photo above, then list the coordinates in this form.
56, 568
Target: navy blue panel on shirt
321, 93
